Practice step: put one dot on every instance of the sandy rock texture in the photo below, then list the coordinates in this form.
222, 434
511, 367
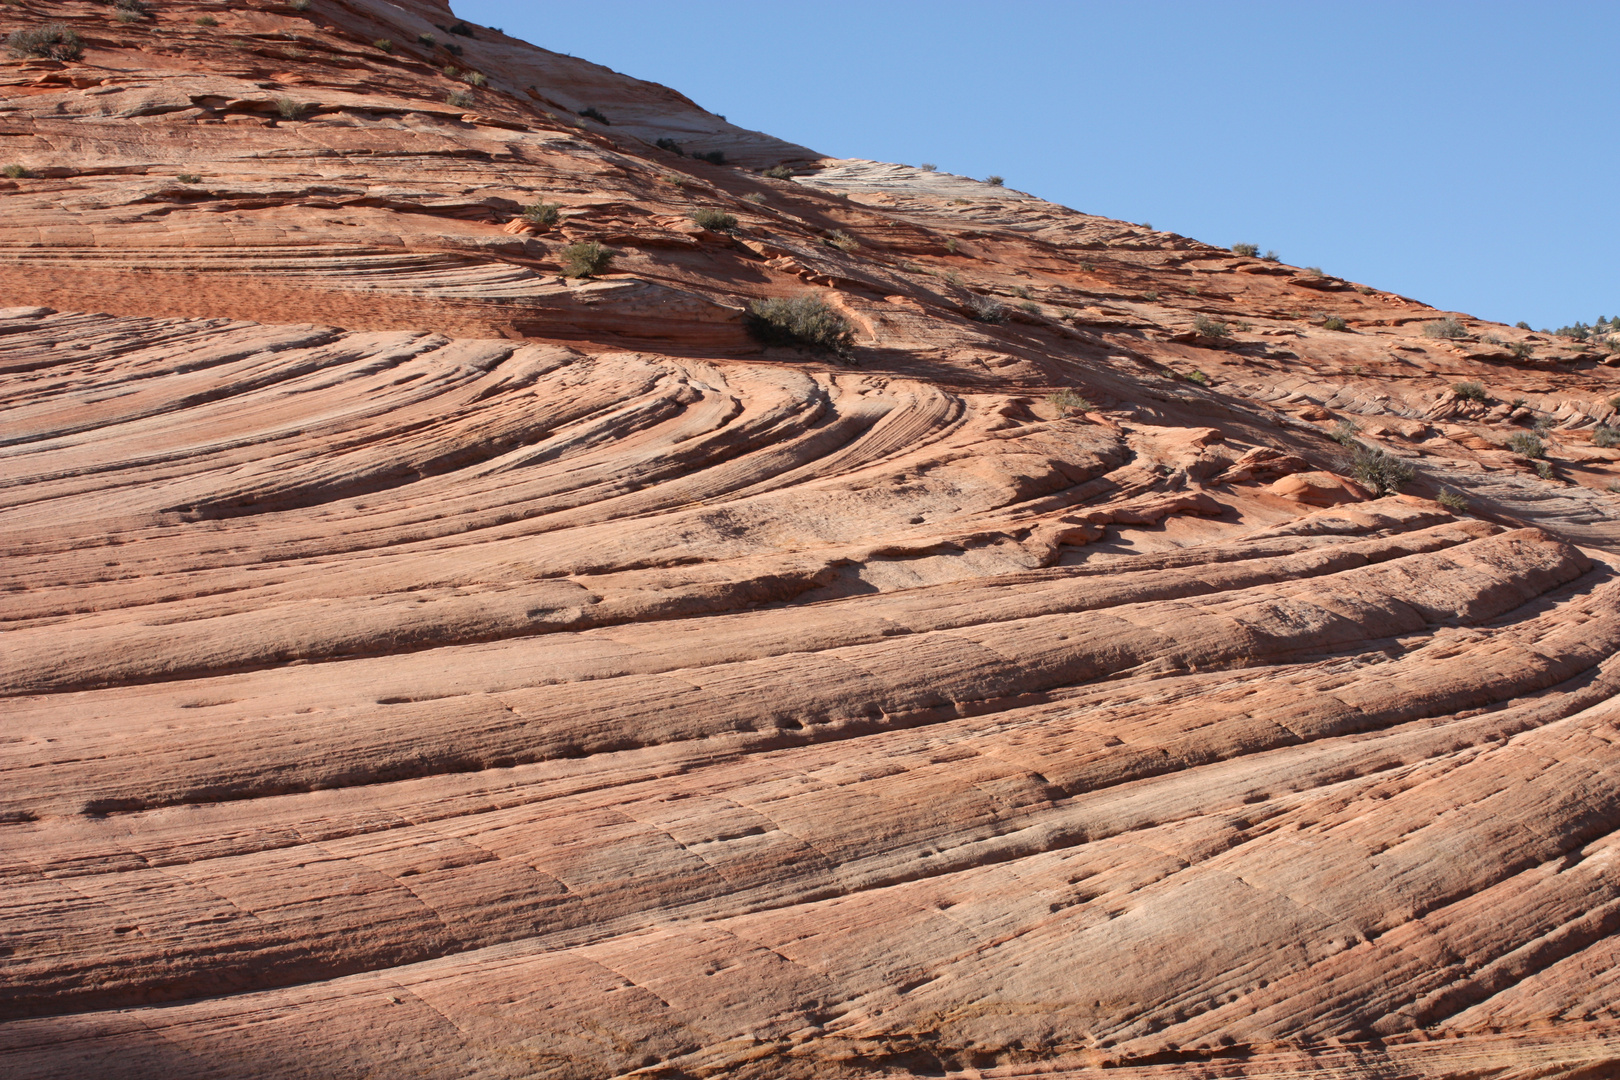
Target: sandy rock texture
417, 661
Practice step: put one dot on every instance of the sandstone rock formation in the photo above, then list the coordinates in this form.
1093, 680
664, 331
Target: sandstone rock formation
417, 662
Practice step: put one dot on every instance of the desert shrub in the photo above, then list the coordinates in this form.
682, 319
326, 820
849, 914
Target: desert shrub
1030, 307
542, 213
124, 16
189, 178
463, 29
1365, 290
139, 7
1333, 322
290, 108
1527, 445
1452, 501
756, 197
1470, 391
986, 310
779, 172
1521, 349
671, 145
451, 71
714, 220
16, 172
1313, 272
207, 20
427, 39
1271, 256
1447, 327
1605, 436
928, 166
459, 99
1578, 332
995, 181
298, 5
1198, 377
585, 259
1151, 296
1380, 470
385, 44
1543, 425
805, 321
477, 78
591, 112
1213, 329
1544, 469
451, 48
52, 41
1246, 250
952, 244
1522, 325
1067, 402
841, 240
713, 157
1345, 433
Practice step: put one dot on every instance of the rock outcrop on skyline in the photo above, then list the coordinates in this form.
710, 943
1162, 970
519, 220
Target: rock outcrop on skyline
420, 662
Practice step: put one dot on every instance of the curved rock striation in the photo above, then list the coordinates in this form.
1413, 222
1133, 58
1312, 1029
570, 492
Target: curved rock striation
417, 661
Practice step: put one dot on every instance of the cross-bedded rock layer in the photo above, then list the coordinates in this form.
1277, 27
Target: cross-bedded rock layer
417, 662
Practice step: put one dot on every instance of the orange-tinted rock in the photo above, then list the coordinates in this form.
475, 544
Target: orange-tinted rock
416, 662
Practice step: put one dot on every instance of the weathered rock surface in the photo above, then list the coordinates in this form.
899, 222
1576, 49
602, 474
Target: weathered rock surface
414, 662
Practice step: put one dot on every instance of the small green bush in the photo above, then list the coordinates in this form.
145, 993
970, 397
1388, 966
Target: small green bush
207, 20
714, 220
139, 7
460, 99
928, 166
1271, 256
756, 197
1544, 424
477, 78
671, 145
585, 259
53, 41
1544, 469
994, 181
290, 108
591, 112
1248, 251
1605, 436
985, 310
1521, 349
463, 29
1527, 445
1521, 325
1447, 327
1452, 501
543, 214
1213, 329
1380, 470
16, 172
1198, 377
1333, 322
804, 321
189, 178
427, 39
1470, 391
451, 71
779, 172
1030, 307
123, 16
1151, 296
298, 5
385, 44
1068, 402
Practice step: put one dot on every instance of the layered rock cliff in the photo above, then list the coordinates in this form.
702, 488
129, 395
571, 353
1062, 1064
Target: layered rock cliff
420, 662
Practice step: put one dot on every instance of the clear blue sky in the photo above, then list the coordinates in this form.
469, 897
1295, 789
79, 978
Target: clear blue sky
1465, 154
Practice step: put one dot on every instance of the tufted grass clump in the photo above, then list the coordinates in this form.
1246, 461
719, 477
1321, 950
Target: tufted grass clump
1527, 445
1470, 391
385, 44
714, 220
591, 112
477, 78
805, 321
1452, 501
290, 108
460, 99
1345, 433
1069, 402
189, 178
543, 214
841, 240
1605, 436
1447, 328
1544, 469
995, 181
1333, 322
1380, 470
16, 172
1212, 329
778, 172
585, 259
985, 310
1246, 250
51, 41
207, 20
